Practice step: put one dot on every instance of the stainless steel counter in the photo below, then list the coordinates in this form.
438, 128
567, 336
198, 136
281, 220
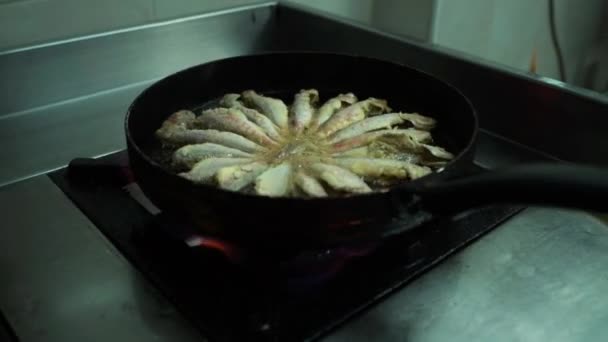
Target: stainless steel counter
48, 137
541, 276
537, 277
63, 281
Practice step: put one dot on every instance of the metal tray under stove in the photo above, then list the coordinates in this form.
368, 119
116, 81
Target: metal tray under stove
228, 301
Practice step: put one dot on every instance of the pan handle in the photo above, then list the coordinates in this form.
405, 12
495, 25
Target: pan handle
545, 184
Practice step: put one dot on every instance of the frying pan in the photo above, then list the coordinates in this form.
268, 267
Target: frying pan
290, 224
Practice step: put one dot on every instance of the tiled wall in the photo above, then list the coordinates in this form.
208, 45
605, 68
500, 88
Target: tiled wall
357, 10
509, 31
503, 31
411, 18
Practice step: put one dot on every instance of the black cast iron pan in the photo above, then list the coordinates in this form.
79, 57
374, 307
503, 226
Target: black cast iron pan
293, 223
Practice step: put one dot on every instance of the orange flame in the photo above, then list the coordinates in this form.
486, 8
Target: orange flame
225, 248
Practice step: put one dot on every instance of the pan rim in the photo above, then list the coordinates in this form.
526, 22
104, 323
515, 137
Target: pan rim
410, 186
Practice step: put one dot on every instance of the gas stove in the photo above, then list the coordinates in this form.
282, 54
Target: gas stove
96, 265
227, 293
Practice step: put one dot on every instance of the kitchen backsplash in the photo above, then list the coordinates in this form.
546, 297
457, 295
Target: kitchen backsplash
28, 22
507, 32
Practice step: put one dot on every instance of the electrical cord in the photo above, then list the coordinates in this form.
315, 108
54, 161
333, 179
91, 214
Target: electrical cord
556, 46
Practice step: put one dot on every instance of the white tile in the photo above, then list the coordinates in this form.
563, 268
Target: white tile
411, 18
508, 32
357, 10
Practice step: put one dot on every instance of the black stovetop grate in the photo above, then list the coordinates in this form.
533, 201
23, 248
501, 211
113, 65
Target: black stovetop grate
228, 302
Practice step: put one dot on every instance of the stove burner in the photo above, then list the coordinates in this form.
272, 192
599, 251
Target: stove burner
211, 282
312, 269
302, 272
230, 251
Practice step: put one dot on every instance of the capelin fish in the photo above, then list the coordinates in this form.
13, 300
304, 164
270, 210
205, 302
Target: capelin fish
275, 181
236, 177
232, 101
233, 120
386, 121
199, 136
189, 155
275, 109
329, 108
176, 122
408, 138
303, 109
257, 144
351, 114
383, 168
203, 171
309, 185
339, 178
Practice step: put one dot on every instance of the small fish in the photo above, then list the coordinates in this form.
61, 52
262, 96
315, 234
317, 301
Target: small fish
310, 185
330, 107
339, 178
274, 182
233, 120
275, 109
236, 177
303, 109
351, 114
